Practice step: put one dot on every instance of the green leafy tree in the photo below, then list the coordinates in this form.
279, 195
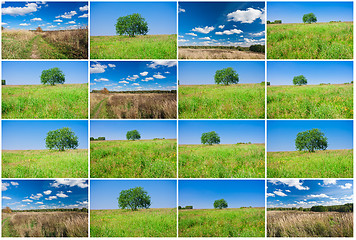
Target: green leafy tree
133, 135
309, 18
134, 198
226, 76
52, 76
311, 140
220, 204
131, 25
61, 139
210, 138
300, 80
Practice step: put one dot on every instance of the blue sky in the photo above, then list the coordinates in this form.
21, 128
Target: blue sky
44, 194
117, 129
104, 193
161, 17
47, 15
292, 12
281, 134
133, 75
74, 71
307, 193
31, 134
201, 194
221, 23
203, 72
316, 72
230, 131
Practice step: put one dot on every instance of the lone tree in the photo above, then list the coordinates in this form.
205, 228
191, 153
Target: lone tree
52, 76
134, 198
131, 25
220, 204
300, 80
226, 76
210, 138
309, 18
133, 135
311, 140
61, 139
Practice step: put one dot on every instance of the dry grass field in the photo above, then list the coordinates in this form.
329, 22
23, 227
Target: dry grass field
190, 53
133, 105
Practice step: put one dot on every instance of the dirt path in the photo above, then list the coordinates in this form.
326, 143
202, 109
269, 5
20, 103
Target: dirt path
35, 54
98, 108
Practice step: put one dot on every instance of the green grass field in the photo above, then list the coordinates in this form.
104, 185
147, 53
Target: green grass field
231, 222
138, 47
320, 164
312, 102
236, 101
310, 41
45, 164
64, 101
222, 161
133, 159
158, 222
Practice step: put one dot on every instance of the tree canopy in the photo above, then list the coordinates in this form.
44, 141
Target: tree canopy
300, 80
311, 140
133, 135
210, 138
131, 25
309, 18
52, 76
220, 204
61, 139
134, 198
226, 76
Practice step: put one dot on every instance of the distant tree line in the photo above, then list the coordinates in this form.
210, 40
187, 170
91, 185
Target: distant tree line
275, 22
257, 48
253, 48
186, 207
97, 139
148, 91
348, 207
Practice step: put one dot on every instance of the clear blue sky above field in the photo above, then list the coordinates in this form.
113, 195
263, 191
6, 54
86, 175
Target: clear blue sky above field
149, 129
133, 75
307, 193
161, 17
31, 135
104, 193
30, 72
316, 72
230, 131
44, 194
221, 23
292, 12
281, 134
203, 72
201, 194
47, 15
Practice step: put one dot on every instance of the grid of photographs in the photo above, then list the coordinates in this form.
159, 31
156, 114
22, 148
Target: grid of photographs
177, 119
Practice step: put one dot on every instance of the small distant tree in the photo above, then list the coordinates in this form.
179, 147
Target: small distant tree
134, 198
3, 82
52, 76
7, 210
61, 139
210, 138
131, 25
133, 135
39, 29
311, 140
105, 91
300, 80
226, 76
220, 204
309, 18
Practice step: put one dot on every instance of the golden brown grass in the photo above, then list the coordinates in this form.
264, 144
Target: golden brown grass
309, 224
190, 53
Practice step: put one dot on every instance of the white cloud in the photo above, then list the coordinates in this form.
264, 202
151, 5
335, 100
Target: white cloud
69, 191
61, 195
298, 184
156, 64
259, 34
14, 183
37, 196
25, 24
4, 186
58, 20
82, 183
101, 80
205, 38
183, 40
48, 192
39, 203
36, 19
3, 24
27, 200
221, 26
51, 198
270, 195
85, 15
111, 65
68, 15
180, 9
248, 16
158, 76
71, 22
136, 84
20, 11
123, 82
83, 9
279, 193
346, 186
147, 79
322, 195
97, 68
143, 74
229, 32
287, 190
7, 198
204, 30
191, 34
329, 182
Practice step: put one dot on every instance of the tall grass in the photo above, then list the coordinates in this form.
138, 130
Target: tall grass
222, 161
133, 159
233, 222
16, 44
238, 101
159, 222
191, 53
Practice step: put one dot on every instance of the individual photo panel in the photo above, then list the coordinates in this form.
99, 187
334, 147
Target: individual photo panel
133, 149
133, 208
221, 148
309, 208
45, 90
45, 208
44, 149
221, 90
221, 30
309, 90
221, 208
133, 90
133, 30
310, 30
45, 30
310, 148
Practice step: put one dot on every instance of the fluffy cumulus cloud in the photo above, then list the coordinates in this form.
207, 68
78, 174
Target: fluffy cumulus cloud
205, 38
156, 64
298, 184
14, 183
329, 182
6, 198
82, 183
144, 74
67, 15
279, 192
4, 186
48, 192
25, 24
36, 19
322, 195
159, 76
204, 30
126, 82
84, 8
180, 9
101, 80
27, 200
62, 195
191, 34
259, 34
58, 20
247, 16
270, 195
20, 11
97, 68
221, 26
346, 186
111, 65
37, 196
51, 198
229, 32
85, 15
